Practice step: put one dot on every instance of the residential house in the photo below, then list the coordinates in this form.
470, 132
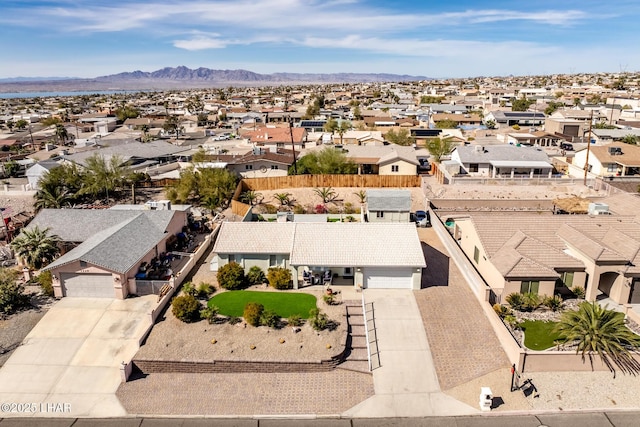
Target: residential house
511, 118
279, 137
501, 161
260, 163
363, 255
549, 255
106, 247
36, 172
389, 159
615, 159
388, 206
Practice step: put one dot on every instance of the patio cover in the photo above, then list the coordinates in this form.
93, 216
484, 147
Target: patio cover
533, 164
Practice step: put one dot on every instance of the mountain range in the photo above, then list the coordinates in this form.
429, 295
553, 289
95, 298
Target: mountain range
183, 77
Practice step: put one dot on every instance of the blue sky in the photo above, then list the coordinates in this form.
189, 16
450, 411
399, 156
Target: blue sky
83, 38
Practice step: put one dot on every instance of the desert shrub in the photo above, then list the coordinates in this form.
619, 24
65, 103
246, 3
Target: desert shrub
210, 314
234, 320
512, 321
320, 209
516, 301
319, 320
205, 289
279, 277
330, 299
578, 291
12, 295
502, 310
531, 301
269, 208
294, 320
45, 279
349, 218
333, 210
299, 209
348, 208
186, 308
270, 318
231, 276
252, 313
189, 289
255, 276
554, 303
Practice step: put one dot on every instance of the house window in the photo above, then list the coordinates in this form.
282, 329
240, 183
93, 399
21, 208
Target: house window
612, 167
476, 254
567, 279
529, 286
232, 258
83, 264
395, 168
379, 214
473, 167
248, 167
280, 144
276, 260
274, 166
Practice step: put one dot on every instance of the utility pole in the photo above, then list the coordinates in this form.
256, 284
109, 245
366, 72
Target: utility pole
586, 162
293, 146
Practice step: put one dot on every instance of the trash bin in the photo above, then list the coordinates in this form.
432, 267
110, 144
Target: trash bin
486, 399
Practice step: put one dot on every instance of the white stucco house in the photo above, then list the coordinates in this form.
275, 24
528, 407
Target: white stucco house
388, 206
363, 255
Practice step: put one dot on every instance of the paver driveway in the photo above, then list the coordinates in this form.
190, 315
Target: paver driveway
72, 357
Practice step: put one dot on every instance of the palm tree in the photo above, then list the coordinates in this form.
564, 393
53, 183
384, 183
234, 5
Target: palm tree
283, 198
597, 330
61, 133
343, 128
250, 197
327, 194
103, 174
52, 197
36, 246
362, 196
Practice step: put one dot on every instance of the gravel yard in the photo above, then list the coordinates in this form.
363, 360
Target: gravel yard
172, 339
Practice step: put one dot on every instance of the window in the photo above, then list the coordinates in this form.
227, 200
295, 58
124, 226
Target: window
274, 166
276, 261
83, 264
248, 167
567, 279
473, 167
476, 254
612, 167
395, 168
232, 258
379, 214
529, 286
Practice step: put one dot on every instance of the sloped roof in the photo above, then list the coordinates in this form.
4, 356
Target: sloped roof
255, 238
147, 150
506, 152
389, 200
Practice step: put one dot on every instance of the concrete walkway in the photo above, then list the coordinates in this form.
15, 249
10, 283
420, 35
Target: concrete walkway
72, 357
406, 384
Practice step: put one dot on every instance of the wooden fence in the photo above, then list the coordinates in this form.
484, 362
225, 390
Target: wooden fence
314, 181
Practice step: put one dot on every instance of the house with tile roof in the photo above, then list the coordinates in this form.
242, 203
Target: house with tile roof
388, 159
284, 136
615, 159
363, 255
104, 248
550, 254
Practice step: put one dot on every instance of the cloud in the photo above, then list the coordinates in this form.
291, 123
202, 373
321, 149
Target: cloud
201, 43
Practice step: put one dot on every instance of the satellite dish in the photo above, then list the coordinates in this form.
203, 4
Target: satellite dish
263, 169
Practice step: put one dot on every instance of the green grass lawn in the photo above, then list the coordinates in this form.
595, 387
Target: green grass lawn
539, 335
284, 304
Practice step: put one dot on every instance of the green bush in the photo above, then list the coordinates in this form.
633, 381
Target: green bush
231, 276
502, 310
279, 277
205, 290
186, 308
294, 320
330, 299
269, 208
255, 276
189, 289
299, 210
578, 291
516, 301
512, 321
12, 297
252, 313
270, 318
210, 314
45, 279
234, 320
531, 301
319, 320
554, 303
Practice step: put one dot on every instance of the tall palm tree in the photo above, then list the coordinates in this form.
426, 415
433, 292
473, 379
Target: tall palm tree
599, 331
36, 246
52, 197
61, 133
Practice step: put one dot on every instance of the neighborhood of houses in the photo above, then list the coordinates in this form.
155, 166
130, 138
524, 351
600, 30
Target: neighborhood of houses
530, 183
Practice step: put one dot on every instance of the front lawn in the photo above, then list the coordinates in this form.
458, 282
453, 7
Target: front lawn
539, 335
284, 304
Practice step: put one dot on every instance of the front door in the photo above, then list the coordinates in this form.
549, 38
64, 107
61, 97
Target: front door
634, 295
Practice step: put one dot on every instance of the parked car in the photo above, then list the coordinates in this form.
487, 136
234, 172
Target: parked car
422, 219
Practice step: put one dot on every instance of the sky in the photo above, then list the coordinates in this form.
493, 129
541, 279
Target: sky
463, 38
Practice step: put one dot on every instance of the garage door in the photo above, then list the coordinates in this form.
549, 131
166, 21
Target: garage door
388, 278
88, 285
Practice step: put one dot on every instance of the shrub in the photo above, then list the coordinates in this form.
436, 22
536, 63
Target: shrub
210, 314
270, 318
348, 208
320, 209
186, 308
294, 320
231, 276
299, 209
205, 289
531, 301
319, 320
269, 208
502, 310
330, 299
512, 321
279, 277
189, 289
45, 279
255, 276
234, 320
516, 301
578, 291
554, 303
12, 295
252, 313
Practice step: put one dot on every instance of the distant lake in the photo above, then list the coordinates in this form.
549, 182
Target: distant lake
8, 95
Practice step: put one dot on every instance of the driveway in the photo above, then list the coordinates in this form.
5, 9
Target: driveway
72, 358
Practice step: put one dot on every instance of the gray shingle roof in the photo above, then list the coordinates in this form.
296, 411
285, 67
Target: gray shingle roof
471, 154
389, 200
148, 150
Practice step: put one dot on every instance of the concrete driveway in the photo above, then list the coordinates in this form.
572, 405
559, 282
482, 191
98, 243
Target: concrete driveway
69, 364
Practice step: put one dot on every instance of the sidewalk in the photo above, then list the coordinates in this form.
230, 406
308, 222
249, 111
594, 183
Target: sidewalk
406, 384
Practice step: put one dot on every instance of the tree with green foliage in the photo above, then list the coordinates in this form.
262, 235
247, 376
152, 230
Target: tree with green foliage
331, 125
357, 114
172, 125
429, 99
326, 161
603, 125
343, 128
50, 121
314, 107
400, 137
255, 276
231, 276
521, 104
126, 112
446, 124
12, 296
439, 147
552, 107
104, 174
67, 176
279, 277
208, 187
186, 308
22, 124
250, 197
36, 246
326, 194
61, 133
598, 331
630, 139
491, 124
52, 197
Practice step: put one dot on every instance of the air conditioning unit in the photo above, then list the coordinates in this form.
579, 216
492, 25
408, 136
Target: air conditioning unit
598, 209
615, 151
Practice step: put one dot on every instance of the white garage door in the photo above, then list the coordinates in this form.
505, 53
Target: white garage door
388, 278
88, 285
